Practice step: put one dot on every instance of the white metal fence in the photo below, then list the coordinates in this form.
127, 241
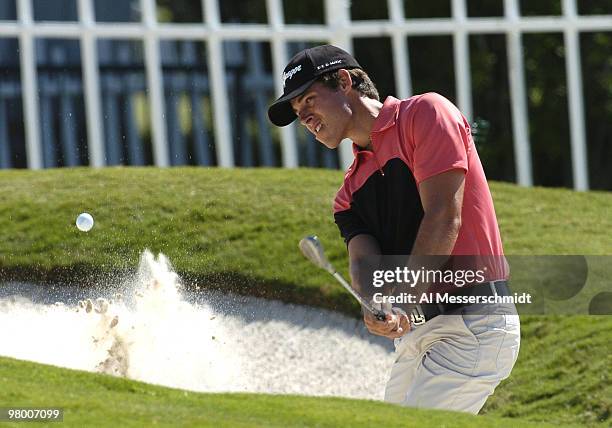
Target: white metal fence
338, 29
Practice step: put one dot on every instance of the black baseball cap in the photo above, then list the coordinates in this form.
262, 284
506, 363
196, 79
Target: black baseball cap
301, 72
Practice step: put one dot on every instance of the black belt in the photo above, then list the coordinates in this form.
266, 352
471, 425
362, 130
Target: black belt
424, 312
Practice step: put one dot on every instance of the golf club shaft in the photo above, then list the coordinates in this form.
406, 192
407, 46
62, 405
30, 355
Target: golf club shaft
312, 249
380, 315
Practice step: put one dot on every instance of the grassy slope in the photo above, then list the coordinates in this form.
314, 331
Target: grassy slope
239, 227
553, 221
242, 226
562, 374
100, 400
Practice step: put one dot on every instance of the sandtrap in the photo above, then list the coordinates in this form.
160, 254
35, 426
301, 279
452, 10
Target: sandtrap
214, 342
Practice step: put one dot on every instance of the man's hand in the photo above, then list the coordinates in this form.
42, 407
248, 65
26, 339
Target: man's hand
393, 327
363, 248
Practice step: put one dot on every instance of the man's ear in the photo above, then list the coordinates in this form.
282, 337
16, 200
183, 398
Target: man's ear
346, 82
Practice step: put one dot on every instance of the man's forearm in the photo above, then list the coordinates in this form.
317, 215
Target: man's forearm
436, 237
364, 253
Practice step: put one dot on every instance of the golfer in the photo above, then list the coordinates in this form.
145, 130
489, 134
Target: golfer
416, 186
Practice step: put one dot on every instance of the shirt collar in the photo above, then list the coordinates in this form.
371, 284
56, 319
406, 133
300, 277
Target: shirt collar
387, 116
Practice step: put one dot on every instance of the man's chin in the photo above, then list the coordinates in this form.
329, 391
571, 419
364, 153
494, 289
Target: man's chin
330, 144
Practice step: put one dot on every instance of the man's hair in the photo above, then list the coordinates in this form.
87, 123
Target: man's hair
361, 82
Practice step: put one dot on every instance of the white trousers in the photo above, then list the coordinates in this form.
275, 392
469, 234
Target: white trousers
454, 362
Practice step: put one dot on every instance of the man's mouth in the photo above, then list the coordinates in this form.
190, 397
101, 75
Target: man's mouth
318, 128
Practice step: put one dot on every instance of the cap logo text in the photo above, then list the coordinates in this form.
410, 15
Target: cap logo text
329, 64
288, 75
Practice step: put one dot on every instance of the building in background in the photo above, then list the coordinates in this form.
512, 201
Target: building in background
146, 82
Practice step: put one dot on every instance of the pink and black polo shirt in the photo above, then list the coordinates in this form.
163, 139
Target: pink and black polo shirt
413, 140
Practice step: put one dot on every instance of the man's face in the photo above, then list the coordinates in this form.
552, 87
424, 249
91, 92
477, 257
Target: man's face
324, 112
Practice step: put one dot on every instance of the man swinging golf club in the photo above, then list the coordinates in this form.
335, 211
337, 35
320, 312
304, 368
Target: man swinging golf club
416, 186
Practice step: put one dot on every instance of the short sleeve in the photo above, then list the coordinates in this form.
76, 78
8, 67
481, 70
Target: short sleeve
350, 225
348, 221
441, 137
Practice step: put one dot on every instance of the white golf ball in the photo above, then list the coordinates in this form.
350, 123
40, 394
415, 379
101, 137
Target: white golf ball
84, 222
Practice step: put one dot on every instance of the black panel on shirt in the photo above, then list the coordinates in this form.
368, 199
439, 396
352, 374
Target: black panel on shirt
387, 207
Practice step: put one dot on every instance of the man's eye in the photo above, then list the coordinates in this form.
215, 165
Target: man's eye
309, 100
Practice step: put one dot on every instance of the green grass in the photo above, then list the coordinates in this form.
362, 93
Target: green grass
230, 228
562, 374
100, 400
549, 221
238, 229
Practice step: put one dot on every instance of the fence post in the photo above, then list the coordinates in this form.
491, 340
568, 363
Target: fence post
461, 50
401, 61
29, 85
155, 84
575, 98
518, 95
338, 17
218, 87
279, 61
91, 85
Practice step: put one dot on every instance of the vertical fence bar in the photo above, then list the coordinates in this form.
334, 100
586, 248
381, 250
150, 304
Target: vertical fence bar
155, 84
575, 97
518, 96
218, 88
279, 61
462, 59
401, 62
29, 85
91, 86
338, 19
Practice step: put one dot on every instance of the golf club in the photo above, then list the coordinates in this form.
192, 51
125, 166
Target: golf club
313, 250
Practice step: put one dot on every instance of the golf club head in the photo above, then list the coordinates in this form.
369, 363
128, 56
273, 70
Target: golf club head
313, 250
